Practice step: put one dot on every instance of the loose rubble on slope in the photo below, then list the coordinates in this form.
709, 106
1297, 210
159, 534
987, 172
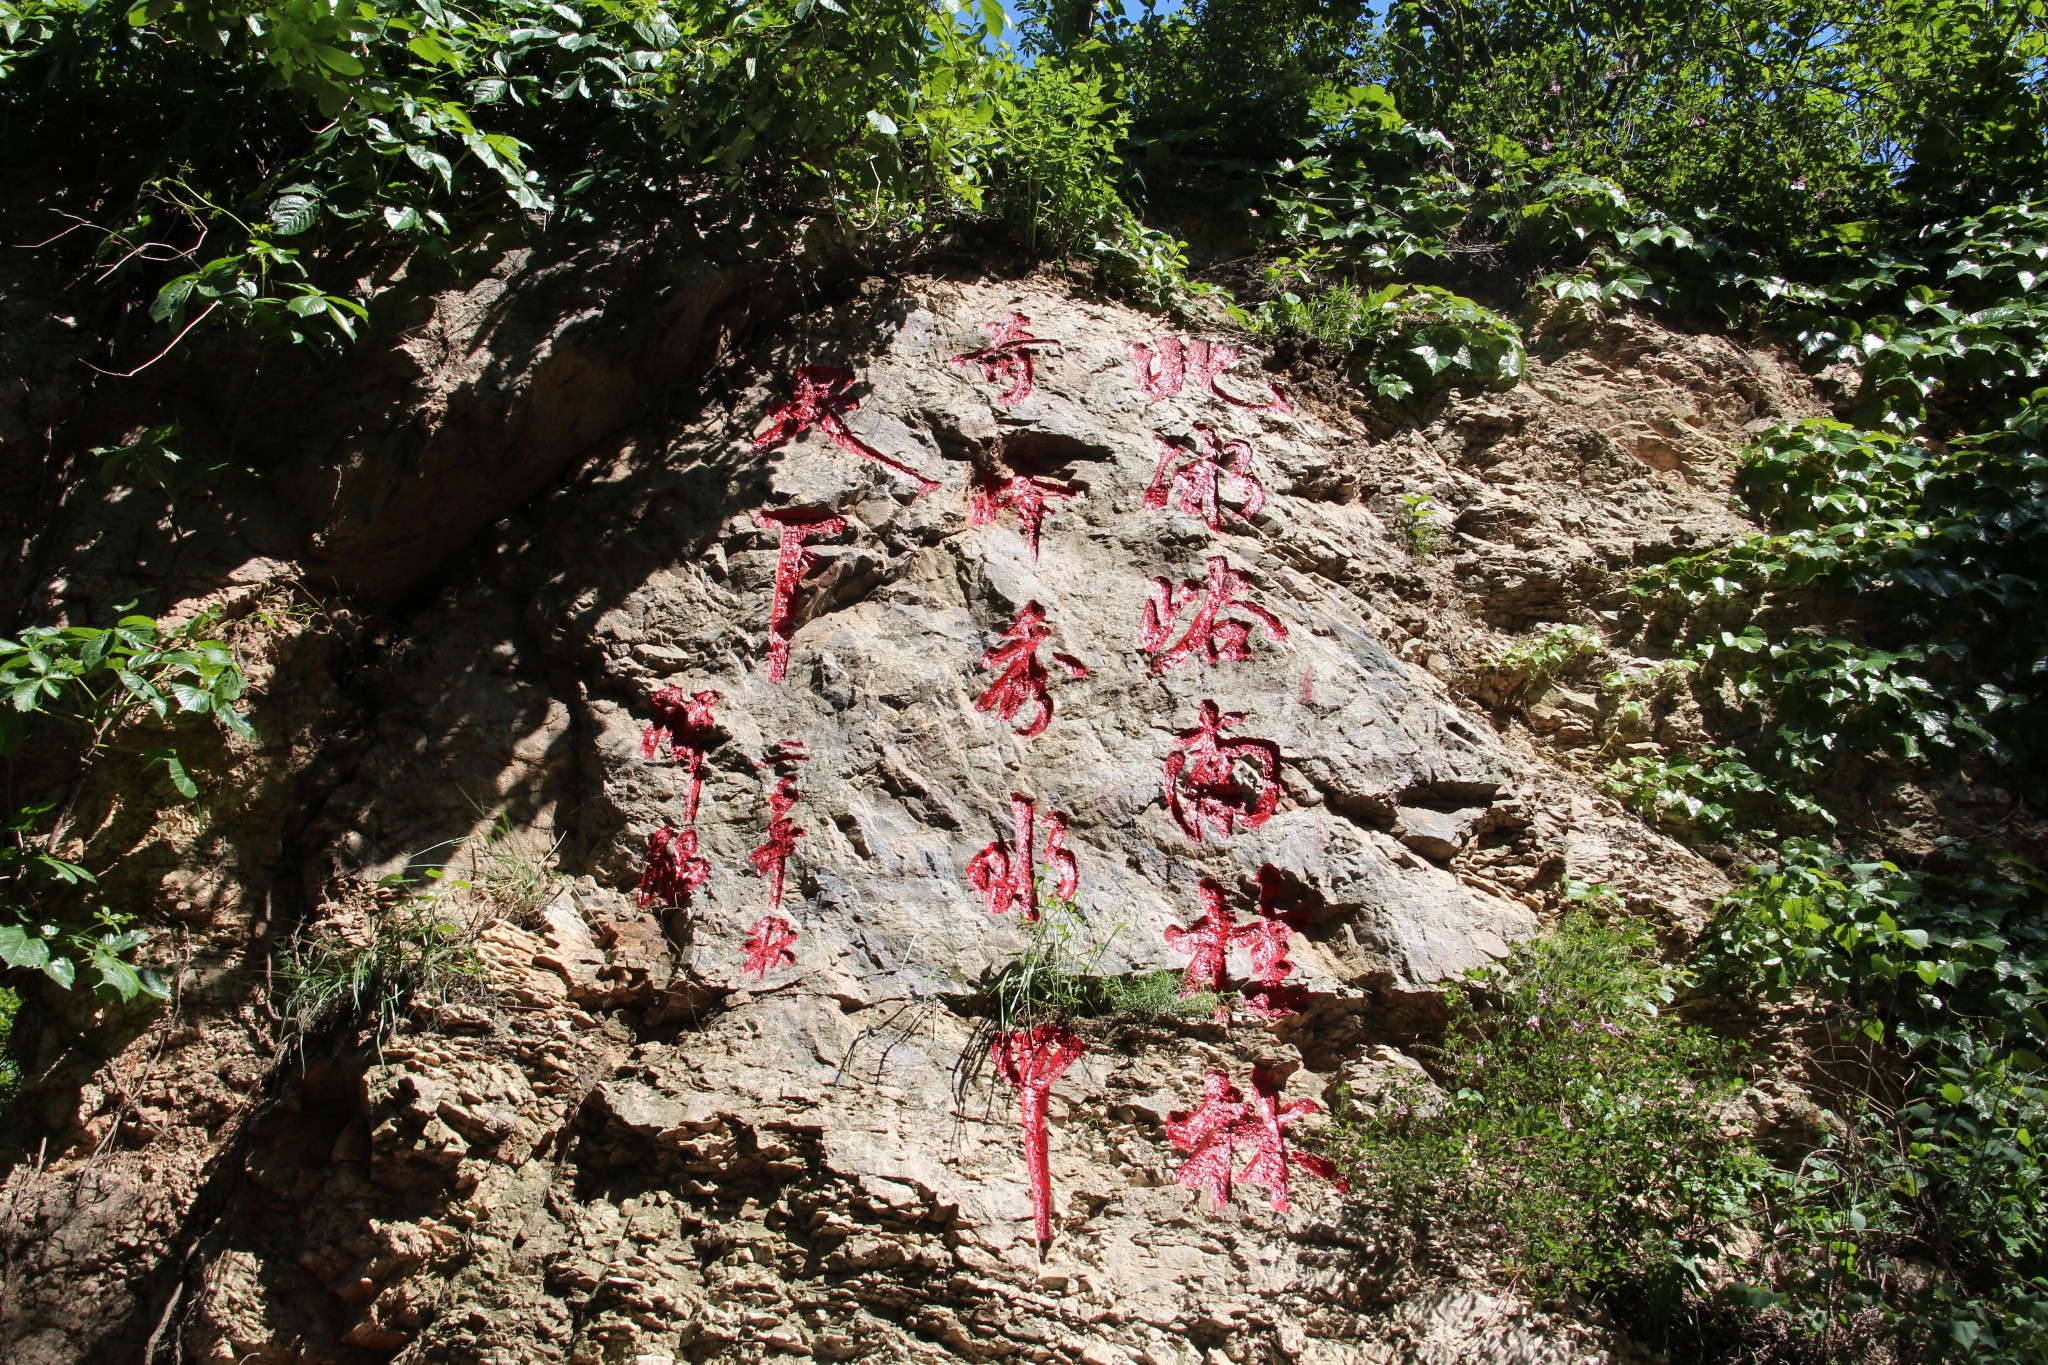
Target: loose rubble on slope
633, 1148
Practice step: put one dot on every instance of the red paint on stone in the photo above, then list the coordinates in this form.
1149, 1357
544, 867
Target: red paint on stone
771, 858
1206, 942
818, 398
1213, 1132
1030, 1060
1202, 786
1163, 369
1005, 874
1211, 634
1264, 1130
1027, 495
673, 869
1007, 358
796, 527
684, 723
1194, 480
1022, 678
1207, 1134
771, 944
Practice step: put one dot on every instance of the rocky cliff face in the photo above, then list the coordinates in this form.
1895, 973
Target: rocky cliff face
624, 1146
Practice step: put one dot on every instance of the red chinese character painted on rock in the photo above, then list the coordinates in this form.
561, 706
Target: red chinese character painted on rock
1022, 680
1206, 942
771, 944
1211, 634
1005, 873
1202, 786
1264, 1130
1208, 1134
683, 723
771, 859
1007, 358
1027, 495
796, 528
1224, 1122
1030, 1061
818, 397
1193, 480
673, 869
1164, 368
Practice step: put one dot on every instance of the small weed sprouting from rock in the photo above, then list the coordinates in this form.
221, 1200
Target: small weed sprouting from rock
1532, 666
511, 874
1056, 980
1420, 526
1567, 1127
418, 951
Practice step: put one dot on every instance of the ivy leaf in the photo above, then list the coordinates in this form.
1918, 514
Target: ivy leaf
292, 214
882, 122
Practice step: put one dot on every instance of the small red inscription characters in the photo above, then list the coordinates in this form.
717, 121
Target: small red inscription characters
1164, 368
1201, 777
1224, 1122
1207, 1134
1208, 942
1027, 495
1030, 1061
771, 944
684, 723
1265, 939
1007, 358
796, 527
771, 859
673, 869
1211, 635
1023, 678
1005, 874
818, 398
1190, 479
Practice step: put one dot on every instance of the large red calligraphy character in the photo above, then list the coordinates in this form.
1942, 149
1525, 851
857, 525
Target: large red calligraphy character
771, 943
1211, 635
1007, 357
797, 527
1030, 1061
1202, 786
1194, 480
685, 724
771, 859
1208, 1134
1022, 678
1029, 496
1162, 370
1206, 942
1006, 874
819, 395
1224, 1122
673, 870
1264, 1130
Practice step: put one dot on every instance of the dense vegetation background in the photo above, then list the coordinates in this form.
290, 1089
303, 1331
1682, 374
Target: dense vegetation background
1862, 182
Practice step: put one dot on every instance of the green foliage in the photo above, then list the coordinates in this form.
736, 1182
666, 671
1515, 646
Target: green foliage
1407, 341
84, 690
1566, 1130
1419, 524
418, 951
10, 1071
1712, 796
1532, 666
1057, 978
1945, 968
1060, 129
